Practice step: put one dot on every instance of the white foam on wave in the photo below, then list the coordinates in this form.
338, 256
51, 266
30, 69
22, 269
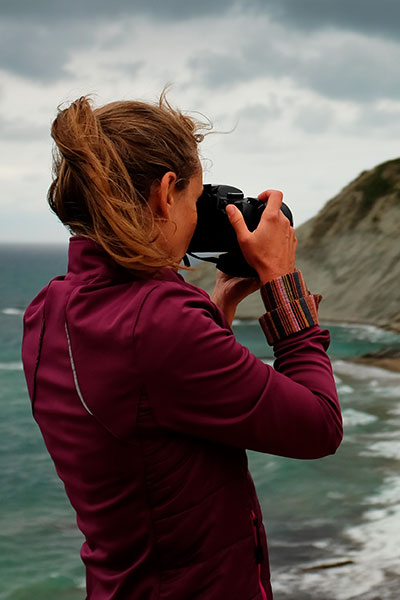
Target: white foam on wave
342, 388
11, 366
380, 534
12, 311
239, 322
364, 372
369, 333
341, 581
389, 494
373, 552
353, 418
385, 449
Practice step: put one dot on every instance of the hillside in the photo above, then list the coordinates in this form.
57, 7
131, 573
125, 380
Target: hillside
349, 252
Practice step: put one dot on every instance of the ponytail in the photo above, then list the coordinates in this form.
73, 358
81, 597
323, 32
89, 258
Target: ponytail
104, 164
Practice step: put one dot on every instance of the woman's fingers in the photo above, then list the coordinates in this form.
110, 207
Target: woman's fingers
271, 248
274, 199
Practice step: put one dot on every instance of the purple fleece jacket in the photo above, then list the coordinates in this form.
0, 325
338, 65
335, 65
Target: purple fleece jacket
146, 403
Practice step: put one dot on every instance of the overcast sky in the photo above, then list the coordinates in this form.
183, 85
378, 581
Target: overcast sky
311, 89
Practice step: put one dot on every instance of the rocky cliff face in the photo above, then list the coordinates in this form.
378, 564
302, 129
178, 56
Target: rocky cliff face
349, 252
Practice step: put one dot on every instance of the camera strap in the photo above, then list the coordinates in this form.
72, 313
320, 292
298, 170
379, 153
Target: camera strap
211, 259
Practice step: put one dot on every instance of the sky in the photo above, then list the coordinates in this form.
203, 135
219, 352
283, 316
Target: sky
304, 94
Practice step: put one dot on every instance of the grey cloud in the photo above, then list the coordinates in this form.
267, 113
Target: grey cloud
49, 10
260, 113
379, 18
377, 122
38, 52
37, 38
351, 69
366, 16
16, 130
343, 69
250, 60
220, 70
42, 53
130, 67
371, 121
313, 119
353, 75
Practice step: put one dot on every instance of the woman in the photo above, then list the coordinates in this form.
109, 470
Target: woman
144, 398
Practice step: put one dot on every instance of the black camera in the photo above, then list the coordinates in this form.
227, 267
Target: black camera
214, 233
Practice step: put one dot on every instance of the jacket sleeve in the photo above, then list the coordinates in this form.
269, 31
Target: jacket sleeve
200, 381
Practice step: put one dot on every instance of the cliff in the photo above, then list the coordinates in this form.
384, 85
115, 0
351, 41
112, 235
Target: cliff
349, 252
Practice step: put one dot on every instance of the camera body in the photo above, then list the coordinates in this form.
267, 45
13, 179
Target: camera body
214, 233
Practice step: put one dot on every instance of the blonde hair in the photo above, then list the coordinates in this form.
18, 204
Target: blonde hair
104, 164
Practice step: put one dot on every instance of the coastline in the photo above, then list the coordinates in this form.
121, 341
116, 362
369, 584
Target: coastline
390, 364
384, 359
385, 325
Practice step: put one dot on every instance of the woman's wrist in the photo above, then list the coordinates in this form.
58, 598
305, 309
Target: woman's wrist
290, 306
266, 276
227, 306
229, 291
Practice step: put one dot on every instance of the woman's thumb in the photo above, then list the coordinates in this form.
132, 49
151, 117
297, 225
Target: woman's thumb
237, 221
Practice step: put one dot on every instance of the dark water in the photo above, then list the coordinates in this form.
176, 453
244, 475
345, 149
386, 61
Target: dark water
333, 524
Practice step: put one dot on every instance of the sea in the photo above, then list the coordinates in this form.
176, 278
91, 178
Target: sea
333, 524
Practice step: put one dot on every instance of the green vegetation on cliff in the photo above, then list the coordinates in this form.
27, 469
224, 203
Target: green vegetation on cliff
350, 252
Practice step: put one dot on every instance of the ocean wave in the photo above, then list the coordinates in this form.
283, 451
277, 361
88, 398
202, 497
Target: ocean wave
11, 366
367, 563
389, 494
385, 449
353, 418
364, 372
342, 388
369, 333
12, 311
361, 569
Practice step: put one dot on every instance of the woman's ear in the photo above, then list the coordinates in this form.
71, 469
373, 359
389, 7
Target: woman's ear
162, 194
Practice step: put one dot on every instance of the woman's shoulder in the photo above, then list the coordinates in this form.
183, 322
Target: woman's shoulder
172, 281
170, 292
171, 302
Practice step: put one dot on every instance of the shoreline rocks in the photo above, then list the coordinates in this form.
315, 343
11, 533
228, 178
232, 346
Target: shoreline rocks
387, 358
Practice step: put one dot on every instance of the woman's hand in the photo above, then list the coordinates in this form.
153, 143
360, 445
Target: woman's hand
271, 248
229, 291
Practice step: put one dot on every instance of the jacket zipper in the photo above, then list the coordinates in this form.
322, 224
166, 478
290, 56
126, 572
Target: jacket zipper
259, 551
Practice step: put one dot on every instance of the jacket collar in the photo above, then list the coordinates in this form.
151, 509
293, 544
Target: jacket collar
88, 261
